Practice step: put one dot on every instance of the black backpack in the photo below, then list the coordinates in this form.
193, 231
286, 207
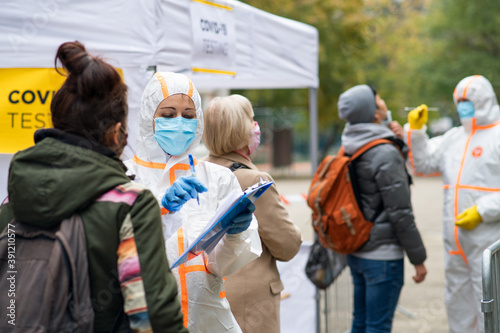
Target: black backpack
44, 282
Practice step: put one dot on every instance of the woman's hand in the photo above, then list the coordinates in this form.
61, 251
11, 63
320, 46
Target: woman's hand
242, 221
182, 190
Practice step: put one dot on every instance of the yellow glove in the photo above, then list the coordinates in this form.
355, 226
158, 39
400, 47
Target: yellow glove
469, 218
418, 117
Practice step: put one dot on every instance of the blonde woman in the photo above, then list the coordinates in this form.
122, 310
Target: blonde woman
170, 128
231, 135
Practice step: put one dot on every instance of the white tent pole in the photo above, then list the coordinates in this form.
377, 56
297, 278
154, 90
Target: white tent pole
313, 127
313, 144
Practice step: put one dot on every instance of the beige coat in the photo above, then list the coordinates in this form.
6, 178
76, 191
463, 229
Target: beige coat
254, 291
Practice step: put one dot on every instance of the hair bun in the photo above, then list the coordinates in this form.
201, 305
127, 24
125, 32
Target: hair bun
73, 57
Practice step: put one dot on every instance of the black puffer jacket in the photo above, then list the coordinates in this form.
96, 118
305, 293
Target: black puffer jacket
384, 193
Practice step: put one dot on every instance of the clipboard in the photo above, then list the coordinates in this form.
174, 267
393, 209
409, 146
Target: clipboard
212, 234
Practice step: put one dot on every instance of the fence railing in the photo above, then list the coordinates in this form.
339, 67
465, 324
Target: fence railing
334, 306
490, 304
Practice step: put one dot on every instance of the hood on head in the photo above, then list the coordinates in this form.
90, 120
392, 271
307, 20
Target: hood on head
479, 91
159, 87
357, 105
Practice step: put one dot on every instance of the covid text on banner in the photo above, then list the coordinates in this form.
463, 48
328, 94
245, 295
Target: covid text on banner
25, 97
214, 37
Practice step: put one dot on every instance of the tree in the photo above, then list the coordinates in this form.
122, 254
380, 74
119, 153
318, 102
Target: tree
465, 40
343, 44
412, 51
396, 51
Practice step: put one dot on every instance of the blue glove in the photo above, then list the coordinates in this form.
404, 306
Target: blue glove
242, 221
182, 190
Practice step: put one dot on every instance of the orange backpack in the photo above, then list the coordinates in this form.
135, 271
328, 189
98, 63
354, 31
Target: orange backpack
337, 218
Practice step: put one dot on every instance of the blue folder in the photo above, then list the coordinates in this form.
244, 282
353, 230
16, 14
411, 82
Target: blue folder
214, 231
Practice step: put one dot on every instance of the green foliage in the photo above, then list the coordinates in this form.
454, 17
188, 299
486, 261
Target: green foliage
342, 27
397, 47
412, 51
465, 36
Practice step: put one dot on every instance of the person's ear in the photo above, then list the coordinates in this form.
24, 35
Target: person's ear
112, 137
116, 134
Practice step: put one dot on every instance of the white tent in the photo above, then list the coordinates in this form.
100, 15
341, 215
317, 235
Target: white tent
218, 43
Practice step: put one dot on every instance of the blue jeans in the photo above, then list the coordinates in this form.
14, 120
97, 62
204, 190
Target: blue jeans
377, 285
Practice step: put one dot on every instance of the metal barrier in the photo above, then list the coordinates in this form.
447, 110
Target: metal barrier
490, 304
334, 306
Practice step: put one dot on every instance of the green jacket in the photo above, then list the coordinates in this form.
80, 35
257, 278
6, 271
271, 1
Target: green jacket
65, 174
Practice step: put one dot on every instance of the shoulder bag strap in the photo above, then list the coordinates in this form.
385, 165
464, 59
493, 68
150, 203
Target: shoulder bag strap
236, 166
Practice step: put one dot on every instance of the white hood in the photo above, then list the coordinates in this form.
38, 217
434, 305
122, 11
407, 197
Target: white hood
479, 91
151, 164
159, 87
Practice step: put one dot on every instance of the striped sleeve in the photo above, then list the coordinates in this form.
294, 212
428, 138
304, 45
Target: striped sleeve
148, 286
129, 274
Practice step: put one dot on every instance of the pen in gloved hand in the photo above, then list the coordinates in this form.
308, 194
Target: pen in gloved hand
191, 165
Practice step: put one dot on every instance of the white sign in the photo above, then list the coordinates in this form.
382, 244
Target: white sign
214, 37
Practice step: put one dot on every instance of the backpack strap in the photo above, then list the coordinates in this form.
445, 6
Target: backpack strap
366, 147
26, 231
327, 166
341, 151
236, 166
369, 145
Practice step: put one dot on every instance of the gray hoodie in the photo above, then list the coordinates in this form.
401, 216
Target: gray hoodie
383, 186
357, 105
357, 135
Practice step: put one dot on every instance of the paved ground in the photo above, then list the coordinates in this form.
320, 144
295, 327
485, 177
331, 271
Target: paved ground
421, 306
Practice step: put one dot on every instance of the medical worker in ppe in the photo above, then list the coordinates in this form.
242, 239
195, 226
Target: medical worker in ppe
170, 128
468, 157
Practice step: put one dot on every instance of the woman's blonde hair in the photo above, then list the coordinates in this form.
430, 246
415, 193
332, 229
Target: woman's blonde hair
228, 124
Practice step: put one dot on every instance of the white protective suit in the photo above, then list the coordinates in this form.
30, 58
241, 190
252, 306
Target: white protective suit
200, 280
469, 159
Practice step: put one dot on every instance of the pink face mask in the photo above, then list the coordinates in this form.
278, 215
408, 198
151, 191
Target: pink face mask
255, 140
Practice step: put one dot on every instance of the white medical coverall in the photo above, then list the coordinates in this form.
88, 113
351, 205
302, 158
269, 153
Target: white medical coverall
200, 280
468, 157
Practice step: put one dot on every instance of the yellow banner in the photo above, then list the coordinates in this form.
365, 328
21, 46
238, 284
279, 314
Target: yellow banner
25, 96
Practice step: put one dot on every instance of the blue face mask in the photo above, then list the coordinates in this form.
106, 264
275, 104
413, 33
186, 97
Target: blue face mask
465, 109
174, 135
